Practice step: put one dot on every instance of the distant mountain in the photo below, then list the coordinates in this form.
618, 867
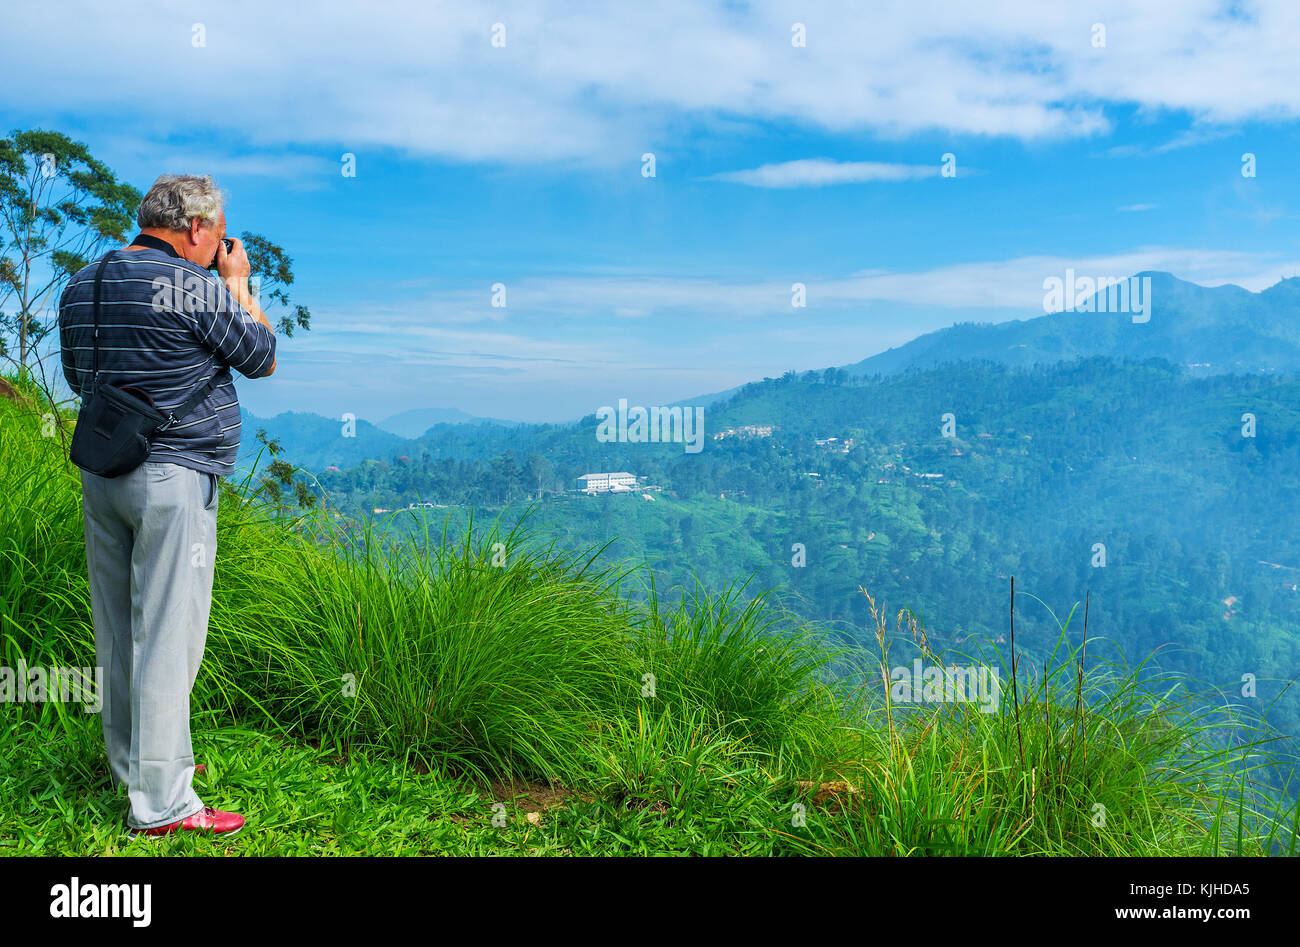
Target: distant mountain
706, 401
1207, 330
1204, 330
315, 442
415, 422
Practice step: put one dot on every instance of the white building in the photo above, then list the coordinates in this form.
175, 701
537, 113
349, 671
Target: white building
620, 482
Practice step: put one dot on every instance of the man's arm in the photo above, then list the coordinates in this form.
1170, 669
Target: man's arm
239, 289
234, 270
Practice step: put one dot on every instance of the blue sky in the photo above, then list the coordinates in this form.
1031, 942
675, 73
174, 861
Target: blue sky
522, 165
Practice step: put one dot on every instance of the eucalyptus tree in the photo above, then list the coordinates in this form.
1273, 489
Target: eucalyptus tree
59, 209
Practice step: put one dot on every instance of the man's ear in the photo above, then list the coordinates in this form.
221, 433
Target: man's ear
196, 224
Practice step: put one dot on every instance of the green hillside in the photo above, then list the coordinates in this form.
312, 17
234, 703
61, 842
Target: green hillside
1047, 468
472, 697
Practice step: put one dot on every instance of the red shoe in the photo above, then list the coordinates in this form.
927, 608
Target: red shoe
207, 819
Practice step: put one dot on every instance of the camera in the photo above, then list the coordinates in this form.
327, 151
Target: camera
230, 247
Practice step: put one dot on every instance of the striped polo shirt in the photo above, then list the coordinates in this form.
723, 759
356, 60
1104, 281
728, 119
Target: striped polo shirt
166, 326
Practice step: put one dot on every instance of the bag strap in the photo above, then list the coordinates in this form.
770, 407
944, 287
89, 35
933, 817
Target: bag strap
99, 281
192, 402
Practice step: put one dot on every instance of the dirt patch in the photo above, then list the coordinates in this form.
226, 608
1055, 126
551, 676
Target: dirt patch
10, 392
533, 799
7, 390
833, 795
532, 796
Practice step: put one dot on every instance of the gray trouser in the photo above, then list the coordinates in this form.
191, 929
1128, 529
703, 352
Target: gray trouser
151, 543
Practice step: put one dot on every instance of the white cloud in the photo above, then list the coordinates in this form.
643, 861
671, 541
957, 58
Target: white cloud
819, 172
1188, 138
541, 359
604, 86
551, 304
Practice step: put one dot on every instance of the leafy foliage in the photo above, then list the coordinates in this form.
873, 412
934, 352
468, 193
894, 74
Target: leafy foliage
59, 207
273, 268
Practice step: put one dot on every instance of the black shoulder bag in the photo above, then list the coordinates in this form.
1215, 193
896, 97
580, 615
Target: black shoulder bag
116, 428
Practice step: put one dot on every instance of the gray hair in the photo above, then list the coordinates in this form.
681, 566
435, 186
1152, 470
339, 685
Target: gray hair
176, 199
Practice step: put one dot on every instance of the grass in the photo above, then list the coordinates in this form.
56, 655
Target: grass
364, 697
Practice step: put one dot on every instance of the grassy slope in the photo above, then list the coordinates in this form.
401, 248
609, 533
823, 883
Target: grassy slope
354, 702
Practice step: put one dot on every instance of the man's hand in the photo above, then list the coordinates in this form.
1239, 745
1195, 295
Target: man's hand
233, 265
234, 270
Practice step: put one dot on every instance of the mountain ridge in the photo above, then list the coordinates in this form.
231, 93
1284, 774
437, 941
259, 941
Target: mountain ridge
1053, 337
1206, 330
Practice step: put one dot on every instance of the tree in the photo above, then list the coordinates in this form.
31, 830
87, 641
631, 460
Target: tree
280, 474
505, 474
59, 209
273, 270
542, 470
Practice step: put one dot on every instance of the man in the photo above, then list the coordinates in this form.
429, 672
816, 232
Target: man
167, 325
